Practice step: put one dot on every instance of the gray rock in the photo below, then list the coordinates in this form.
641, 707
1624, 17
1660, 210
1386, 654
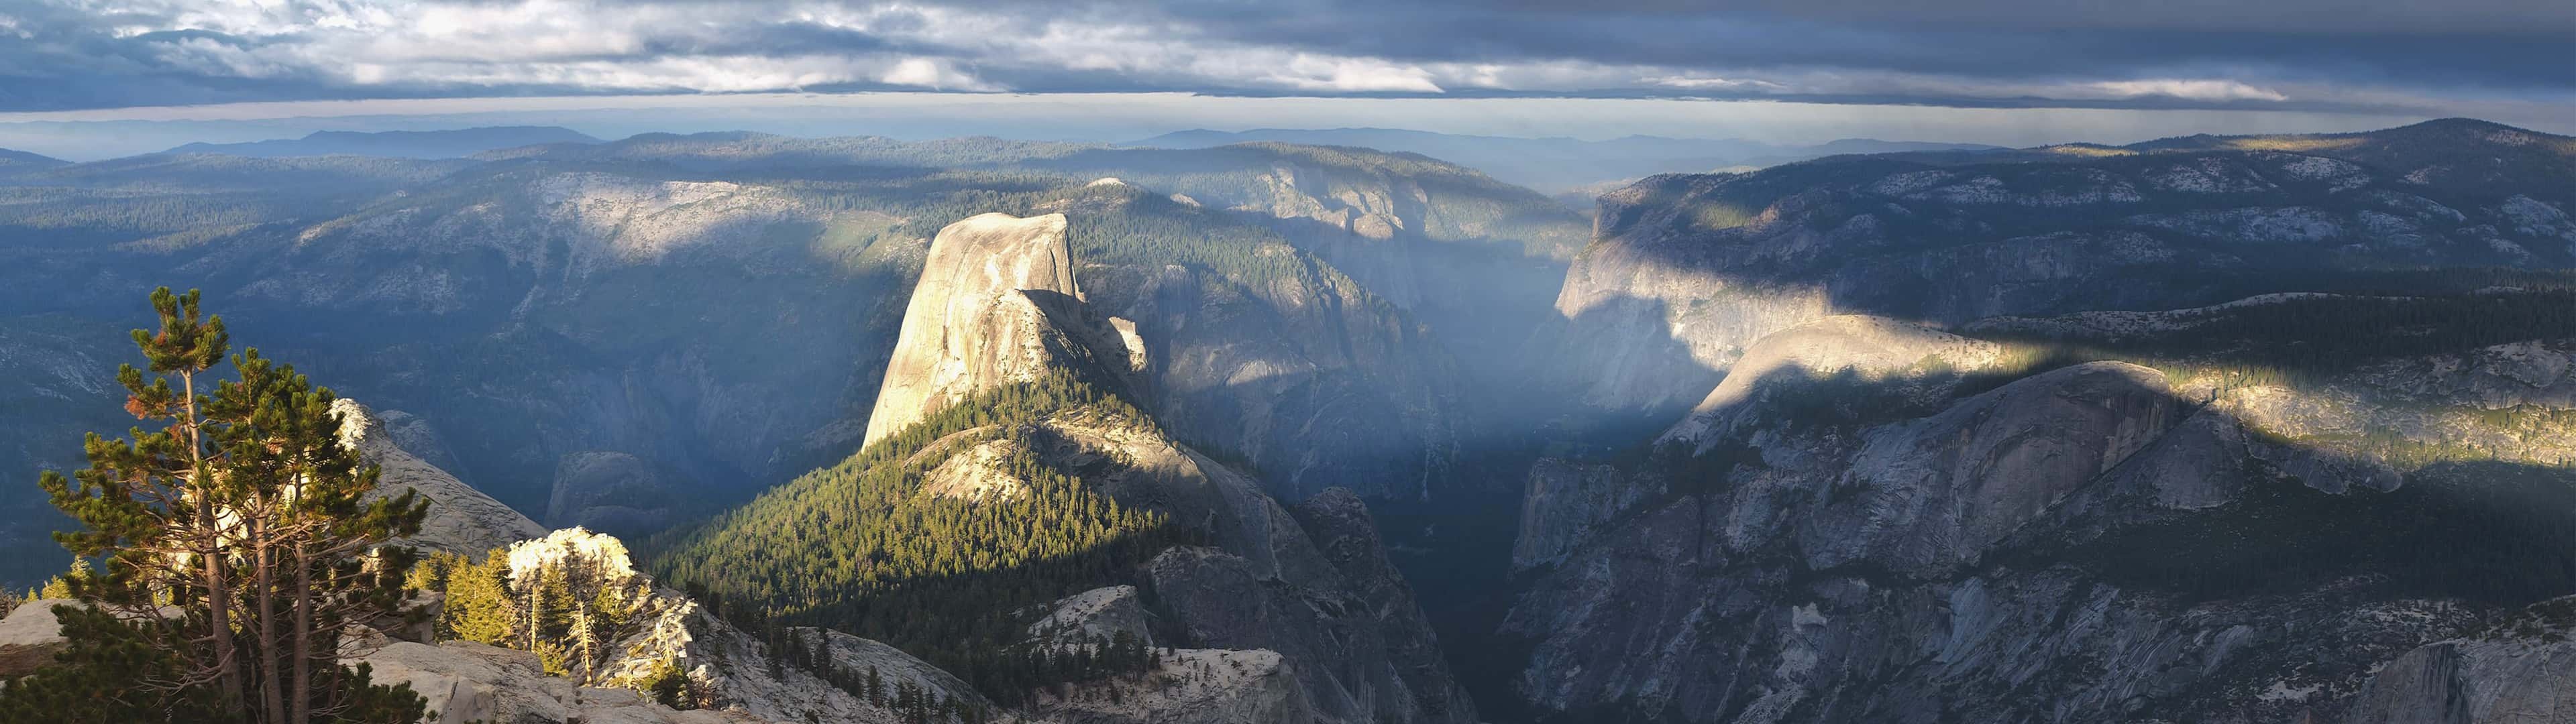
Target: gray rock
466, 682
968, 327
30, 636
461, 520
2503, 676
1566, 501
1923, 565
1099, 613
1189, 686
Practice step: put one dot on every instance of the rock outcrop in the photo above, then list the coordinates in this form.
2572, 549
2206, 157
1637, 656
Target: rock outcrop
732, 676
977, 316
1318, 594
461, 520
1315, 589
2522, 671
30, 636
471, 682
1566, 501
1873, 521
1099, 613
1190, 686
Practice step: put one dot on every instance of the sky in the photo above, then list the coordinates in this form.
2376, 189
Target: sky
91, 77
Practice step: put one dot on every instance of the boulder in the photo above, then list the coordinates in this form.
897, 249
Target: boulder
30, 636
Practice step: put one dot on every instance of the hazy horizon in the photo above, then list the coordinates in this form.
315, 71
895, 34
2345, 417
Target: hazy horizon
90, 135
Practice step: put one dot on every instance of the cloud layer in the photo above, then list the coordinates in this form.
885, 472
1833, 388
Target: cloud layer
2373, 55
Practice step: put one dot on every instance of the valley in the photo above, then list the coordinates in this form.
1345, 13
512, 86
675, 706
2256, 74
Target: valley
2209, 428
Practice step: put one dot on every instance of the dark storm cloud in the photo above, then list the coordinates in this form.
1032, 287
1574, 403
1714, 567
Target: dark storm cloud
2492, 42
2294, 54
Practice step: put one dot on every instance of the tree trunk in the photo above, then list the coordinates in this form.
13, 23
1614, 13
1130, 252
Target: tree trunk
271, 675
211, 544
300, 689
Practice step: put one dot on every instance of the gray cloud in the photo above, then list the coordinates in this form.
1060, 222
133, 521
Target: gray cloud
2372, 56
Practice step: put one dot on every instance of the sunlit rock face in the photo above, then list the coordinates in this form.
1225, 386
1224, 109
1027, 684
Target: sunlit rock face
972, 324
1905, 361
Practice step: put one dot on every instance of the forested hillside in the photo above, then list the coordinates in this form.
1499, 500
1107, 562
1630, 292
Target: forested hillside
860, 547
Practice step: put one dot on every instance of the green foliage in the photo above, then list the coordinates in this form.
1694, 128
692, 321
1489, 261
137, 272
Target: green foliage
568, 608
100, 678
478, 606
857, 547
237, 540
671, 686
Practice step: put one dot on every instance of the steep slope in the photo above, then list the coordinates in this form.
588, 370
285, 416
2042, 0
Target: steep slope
733, 675
461, 520
1230, 569
1685, 271
951, 346
2521, 669
1266, 352
2254, 518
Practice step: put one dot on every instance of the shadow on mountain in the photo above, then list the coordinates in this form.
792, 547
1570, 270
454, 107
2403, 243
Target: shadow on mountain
2141, 228
2117, 544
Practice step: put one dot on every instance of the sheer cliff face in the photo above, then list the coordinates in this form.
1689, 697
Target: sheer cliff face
1990, 501
1861, 525
971, 324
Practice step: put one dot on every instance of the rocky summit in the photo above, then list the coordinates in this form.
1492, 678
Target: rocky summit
976, 319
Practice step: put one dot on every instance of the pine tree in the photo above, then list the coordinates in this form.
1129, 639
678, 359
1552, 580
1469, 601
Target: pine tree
876, 688
822, 657
237, 540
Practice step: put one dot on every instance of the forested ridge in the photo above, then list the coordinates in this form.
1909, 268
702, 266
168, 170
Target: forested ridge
858, 547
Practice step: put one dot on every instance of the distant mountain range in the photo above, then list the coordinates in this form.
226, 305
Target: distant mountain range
457, 143
1556, 165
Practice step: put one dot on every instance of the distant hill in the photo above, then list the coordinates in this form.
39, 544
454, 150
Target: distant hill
16, 161
2442, 156
457, 143
1555, 165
